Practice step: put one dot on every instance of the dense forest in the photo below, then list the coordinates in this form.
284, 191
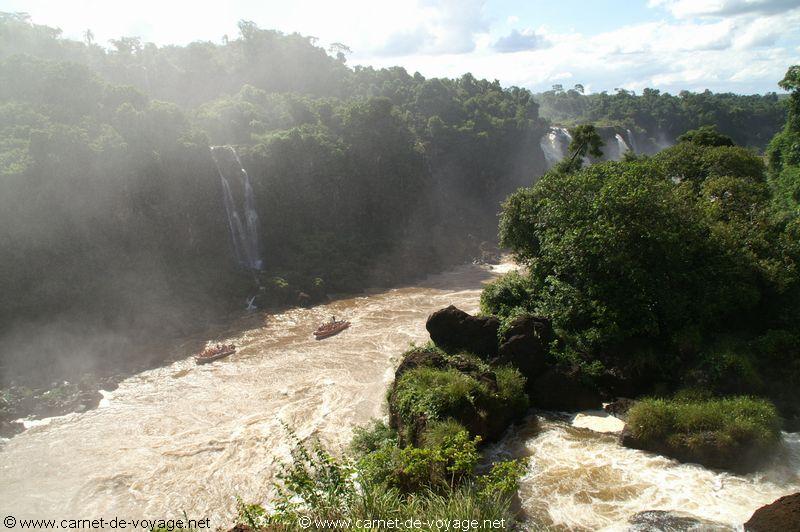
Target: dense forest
659, 118
112, 207
671, 272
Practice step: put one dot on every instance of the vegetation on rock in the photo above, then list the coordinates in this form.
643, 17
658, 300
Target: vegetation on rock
730, 432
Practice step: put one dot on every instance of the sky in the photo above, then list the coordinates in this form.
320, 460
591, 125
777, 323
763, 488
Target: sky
742, 46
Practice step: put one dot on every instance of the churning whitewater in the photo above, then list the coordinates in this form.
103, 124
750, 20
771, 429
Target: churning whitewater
187, 438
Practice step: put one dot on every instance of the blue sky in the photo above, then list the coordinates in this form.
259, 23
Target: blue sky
742, 46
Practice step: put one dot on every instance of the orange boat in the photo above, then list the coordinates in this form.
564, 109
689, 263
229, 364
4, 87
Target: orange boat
210, 354
326, 330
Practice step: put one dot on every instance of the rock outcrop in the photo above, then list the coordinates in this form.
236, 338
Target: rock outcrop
619, 407
740, 457
563, 388
783, 515
525, 346
484, 414
453, 329
663, 521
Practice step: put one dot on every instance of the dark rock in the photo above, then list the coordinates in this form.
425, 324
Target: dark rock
453, 330
740, 457
241, 528
782, 515
525, 346
303, 299
613, 383
10, 428
619, 407
564, 388
663, 521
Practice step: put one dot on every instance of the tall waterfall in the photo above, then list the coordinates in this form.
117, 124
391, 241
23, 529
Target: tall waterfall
622, 147
632, 141
554, 145
242, 214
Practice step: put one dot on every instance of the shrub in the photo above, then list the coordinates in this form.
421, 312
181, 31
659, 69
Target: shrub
507, 294
438, 483
369, 439
503, 478
425, 395
511, 390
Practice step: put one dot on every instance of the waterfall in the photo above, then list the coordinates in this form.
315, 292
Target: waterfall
554, 145
242, 218
632, 141
622, 147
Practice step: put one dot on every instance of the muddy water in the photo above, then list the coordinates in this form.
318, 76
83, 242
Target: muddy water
580, 479
187, 438
191, 438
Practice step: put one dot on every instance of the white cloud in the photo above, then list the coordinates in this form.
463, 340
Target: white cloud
723, 8
443, 27
518, 41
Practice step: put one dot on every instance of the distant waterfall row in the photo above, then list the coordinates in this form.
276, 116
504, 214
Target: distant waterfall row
555, 145
240, 206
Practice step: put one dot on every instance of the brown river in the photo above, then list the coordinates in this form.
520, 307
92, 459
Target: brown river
187, 440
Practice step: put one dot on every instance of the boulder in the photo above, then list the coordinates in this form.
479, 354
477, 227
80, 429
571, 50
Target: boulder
453, 329
783, 515
563, 388
619, 407
739, 457
663, 521
525, 346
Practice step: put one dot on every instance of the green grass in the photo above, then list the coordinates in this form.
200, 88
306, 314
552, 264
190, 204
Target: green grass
717, 429
436, 393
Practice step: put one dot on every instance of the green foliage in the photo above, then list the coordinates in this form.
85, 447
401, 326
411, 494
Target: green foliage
723, 424
669, 249
503, 478
706, 136
388, 482
585, 141
511, 390
654, 116
369, 439
508, 292
436, 393
437, 432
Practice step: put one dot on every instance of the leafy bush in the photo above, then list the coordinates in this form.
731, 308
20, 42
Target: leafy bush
706, 136
369, 439
438, 483
511, 390
507, 294
503, 478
